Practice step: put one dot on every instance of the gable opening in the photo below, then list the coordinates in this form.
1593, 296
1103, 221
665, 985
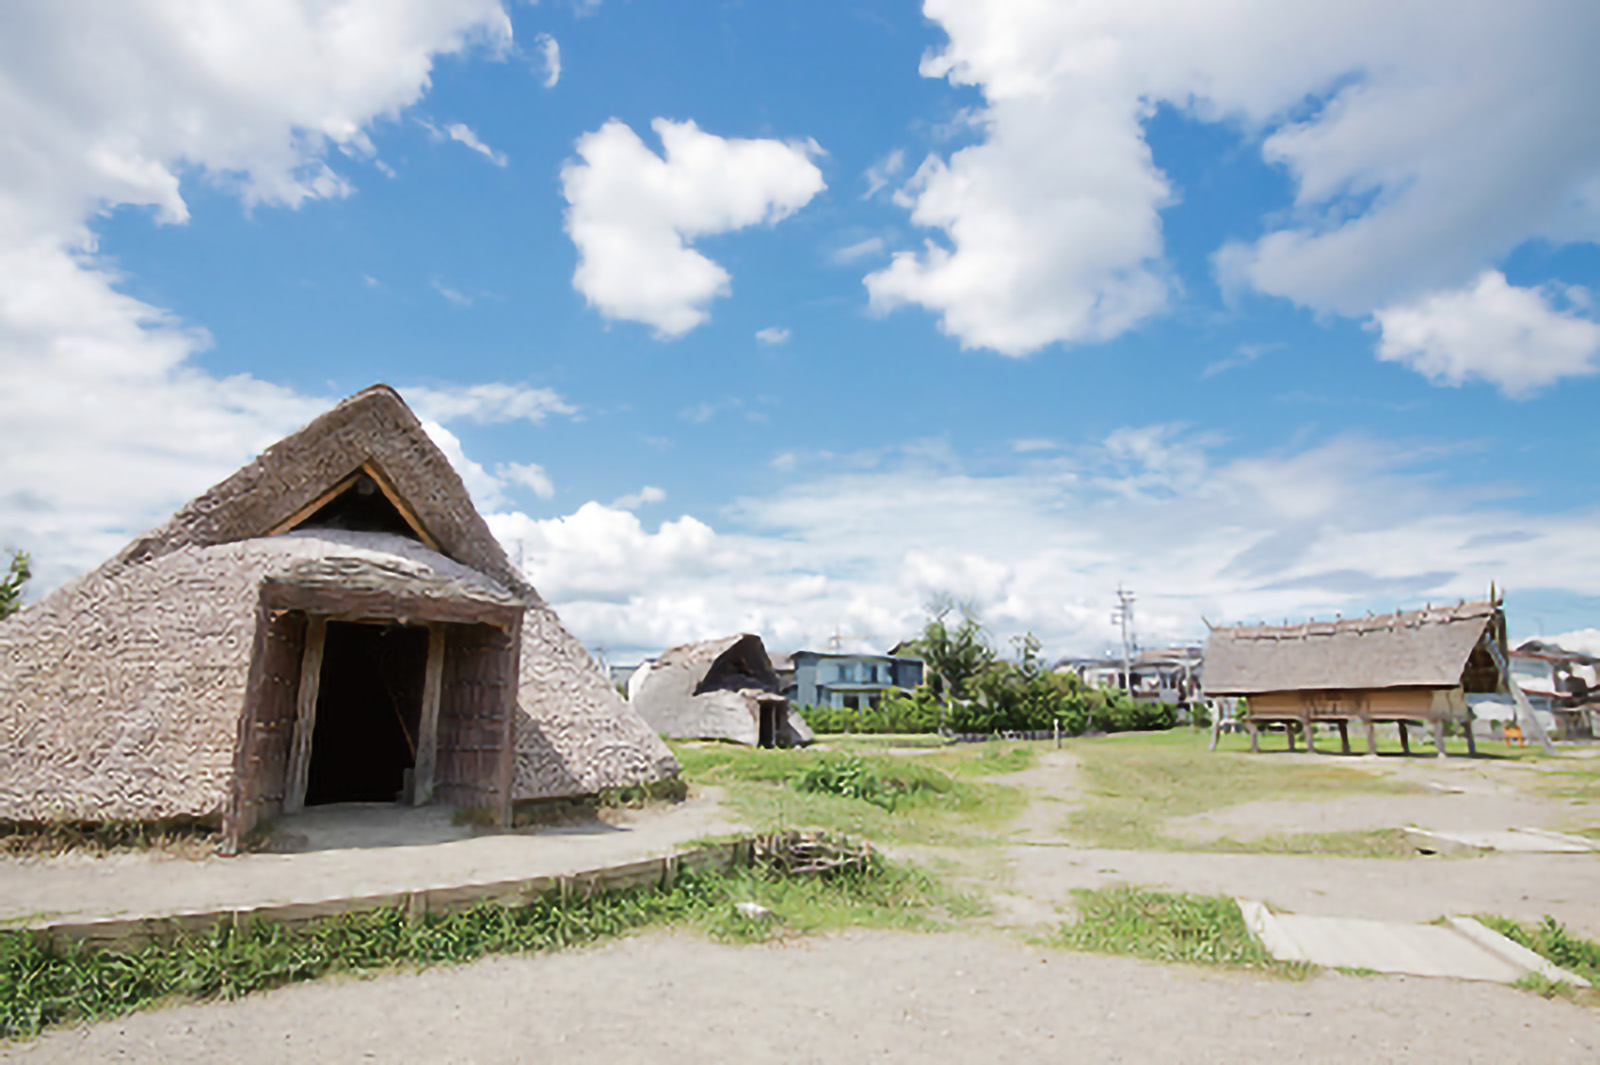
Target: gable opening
361, 507
368, 714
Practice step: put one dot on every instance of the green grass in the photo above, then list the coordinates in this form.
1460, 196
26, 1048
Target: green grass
1192, 929
1373, 843
39, 988
913, 799
47, 839
1578, 781
1136, 781
992, 759
1551, 940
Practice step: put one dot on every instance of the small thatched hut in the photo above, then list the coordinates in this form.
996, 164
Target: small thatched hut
1415, 667
717, 690
334, 622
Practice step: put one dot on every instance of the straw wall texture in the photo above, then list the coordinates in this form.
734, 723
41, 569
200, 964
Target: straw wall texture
121, 694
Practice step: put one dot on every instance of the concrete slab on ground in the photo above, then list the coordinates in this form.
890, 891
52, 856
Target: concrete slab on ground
1510, 841
1461, 948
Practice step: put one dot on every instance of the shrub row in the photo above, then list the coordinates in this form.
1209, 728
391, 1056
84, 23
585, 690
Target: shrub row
1008, 700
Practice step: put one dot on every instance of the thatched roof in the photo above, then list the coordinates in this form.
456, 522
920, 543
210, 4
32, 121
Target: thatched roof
713, 690
1419, 648
121, 693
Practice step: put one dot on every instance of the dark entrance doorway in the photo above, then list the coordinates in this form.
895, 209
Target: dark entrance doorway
369, 705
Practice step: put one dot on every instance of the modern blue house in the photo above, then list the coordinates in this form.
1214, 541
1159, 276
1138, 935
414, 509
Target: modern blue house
852, 681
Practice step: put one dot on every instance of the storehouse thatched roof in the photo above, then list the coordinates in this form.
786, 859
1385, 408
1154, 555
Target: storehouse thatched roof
121, 693
714, 690
1418, 648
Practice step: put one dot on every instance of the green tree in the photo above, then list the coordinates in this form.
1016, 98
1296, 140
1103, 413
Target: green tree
956, 653
11, 584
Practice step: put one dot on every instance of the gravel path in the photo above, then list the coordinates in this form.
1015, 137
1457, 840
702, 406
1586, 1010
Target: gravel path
862, 996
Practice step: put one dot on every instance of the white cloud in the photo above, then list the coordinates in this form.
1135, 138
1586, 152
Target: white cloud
550, 55
1034, 443
455, 296
882, 172
772, 336
1583, 641
487, 404
1344, 525
861, 249
1422, 143
529, 475
463, 134
487, 490
633, 213
1511, 337
634, 500
107, 417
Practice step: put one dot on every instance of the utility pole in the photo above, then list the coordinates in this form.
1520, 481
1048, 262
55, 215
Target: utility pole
1123, 616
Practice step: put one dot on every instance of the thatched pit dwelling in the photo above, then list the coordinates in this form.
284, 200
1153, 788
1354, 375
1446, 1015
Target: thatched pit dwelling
333, 623
1413, 667
717, 690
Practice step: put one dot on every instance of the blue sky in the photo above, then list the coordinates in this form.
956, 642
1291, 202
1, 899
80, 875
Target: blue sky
1262, 312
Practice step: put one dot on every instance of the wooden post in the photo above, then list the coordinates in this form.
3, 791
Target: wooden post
305, 716
1216, 722
1288, 730
1344, 736
1255, 737
428, 725
1311, 737
1372, 736
1438, 739
1405, 737
1472, 743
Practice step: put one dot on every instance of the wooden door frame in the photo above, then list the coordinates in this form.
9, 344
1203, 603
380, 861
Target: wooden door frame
322, 604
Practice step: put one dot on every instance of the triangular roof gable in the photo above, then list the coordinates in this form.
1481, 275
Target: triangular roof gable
372, 432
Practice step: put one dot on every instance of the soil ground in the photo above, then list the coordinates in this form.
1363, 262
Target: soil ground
855, 996
984, 993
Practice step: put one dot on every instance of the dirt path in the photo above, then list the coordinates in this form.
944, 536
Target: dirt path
1054, 788
671, 998
1525, 886
363, 851
1453, 794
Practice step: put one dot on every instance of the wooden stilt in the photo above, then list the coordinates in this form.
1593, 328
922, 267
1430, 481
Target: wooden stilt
1405, 738
1288, 730
1311, 737
1372, 737
1438, 739
1472, 742
1344, 737
1255, 738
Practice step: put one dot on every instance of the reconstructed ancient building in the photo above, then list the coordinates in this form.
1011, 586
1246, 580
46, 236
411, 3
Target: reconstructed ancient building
1412, 667
717, 690
332, 623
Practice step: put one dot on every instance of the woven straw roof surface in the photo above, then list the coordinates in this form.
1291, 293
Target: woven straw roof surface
121, 692
1419, 648
681, 695
373, 425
